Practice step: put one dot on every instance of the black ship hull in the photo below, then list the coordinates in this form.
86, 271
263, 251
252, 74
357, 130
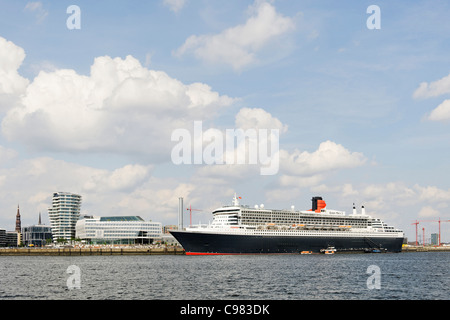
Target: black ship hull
196, 243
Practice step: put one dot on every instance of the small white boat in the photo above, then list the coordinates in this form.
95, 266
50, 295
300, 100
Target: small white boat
329, 250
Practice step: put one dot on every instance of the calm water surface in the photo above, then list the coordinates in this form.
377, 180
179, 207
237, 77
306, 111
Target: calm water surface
420, 276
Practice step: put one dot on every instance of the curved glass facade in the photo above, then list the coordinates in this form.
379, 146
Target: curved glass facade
118, 230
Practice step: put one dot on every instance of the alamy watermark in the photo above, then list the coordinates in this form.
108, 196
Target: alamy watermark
374, 280
236, 146
74, 280
74, 20
374, 21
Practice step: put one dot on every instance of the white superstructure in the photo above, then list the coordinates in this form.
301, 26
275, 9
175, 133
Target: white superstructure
321, 222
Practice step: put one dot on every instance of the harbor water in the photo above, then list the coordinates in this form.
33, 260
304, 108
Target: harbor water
402, 276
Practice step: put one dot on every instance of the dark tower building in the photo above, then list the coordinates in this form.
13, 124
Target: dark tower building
18, 224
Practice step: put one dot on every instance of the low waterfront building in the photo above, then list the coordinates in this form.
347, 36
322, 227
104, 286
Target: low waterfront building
169, 227
167, 237
2, 238
37, 235
13, 238
9, 238
118, 230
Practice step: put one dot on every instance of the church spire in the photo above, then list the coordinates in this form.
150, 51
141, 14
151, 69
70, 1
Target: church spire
18, 223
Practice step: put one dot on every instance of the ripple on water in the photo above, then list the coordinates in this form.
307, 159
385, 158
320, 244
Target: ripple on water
403, 276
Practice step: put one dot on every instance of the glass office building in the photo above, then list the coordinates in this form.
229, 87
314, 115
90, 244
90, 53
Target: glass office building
36, 235
2, 238
118, 230
9, 238
64, 215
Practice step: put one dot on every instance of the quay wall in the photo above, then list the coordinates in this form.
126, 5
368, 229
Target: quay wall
146, 251
90, 251
426, 249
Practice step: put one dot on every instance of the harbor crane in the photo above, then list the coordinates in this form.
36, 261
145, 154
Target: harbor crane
190, 213
439, 221
416, 223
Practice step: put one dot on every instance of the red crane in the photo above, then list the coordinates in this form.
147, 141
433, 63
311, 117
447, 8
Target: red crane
423, 237
190, 214
416, 223
439, 221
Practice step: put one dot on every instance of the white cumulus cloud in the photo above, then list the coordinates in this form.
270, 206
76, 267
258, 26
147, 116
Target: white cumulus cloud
175, 5
441, 112
302, 169
38, 9
6, 155
121, 107
238, 46
120, 179
257, 118
329, 156
435, 89
12, 85
428, 211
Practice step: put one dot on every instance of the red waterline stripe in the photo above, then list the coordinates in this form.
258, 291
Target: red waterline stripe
229, 254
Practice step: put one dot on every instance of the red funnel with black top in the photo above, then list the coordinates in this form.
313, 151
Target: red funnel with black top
318, 204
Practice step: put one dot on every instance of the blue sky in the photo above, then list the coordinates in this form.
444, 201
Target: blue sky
363, 113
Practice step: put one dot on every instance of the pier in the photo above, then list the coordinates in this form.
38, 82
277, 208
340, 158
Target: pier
91, 251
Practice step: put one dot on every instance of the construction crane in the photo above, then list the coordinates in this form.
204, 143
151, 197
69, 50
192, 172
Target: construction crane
423, 237
416, 223
439, 221
190, 214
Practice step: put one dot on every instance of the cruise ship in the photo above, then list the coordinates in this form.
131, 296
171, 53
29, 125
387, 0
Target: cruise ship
240, 229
